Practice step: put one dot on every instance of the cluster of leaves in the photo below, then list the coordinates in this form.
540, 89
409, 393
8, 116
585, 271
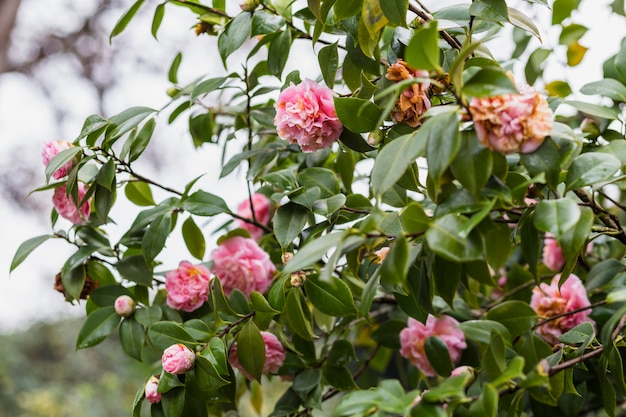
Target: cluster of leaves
448, 231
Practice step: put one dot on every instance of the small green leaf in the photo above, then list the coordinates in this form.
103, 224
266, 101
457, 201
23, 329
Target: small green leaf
164, 334
139, 193
492, 10
126, 120
26, 248
394, 269
202, 203
591, 168
132, 337
251, 349
556, 216
157, 19
414, 218
97, 327
298, 318
207, 86
330, 297
523, 22
289, 220
438, 356
480, 330
489, 82
122, 23
279, 52
517, 316
154, 239
141, 141
234, 35
61, 159
395, 11
328, 59
356, 114
194, 238
423, 52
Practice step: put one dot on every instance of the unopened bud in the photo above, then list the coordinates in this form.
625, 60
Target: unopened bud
375, 137
249, 5
172, 91
125, 306
286, 257
178, 359
152, 393
297, 279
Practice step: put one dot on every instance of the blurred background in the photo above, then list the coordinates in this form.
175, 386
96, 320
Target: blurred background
56, 68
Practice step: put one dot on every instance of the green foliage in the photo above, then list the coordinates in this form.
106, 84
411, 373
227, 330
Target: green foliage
443, 194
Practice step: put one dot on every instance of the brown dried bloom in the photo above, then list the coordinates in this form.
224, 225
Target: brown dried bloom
89, 287
413, 102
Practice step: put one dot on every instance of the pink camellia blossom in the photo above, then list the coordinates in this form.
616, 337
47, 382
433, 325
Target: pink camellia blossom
549, 301
124, 306
413, 338
65, 206
152, 395
553, 256
274, 356
178, 359
512, 123
241, 264
187, 286
50, 150
262, 213
305, 114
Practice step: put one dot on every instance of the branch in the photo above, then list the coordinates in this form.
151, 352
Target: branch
426, 17
605, 217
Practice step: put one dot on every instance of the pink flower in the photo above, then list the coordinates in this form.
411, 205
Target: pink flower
413, 339
241, 264
152, 395
553, 256
512, 123
187, 286
178, 359
65, 204
124, 305
50, 150
274, 356
548, 301
305, 114
262, 214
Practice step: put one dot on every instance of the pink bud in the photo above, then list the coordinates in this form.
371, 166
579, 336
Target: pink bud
178, 359
152, 395
249, 5
125, 306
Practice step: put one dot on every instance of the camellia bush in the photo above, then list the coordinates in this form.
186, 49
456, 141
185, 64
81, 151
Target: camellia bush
425, 233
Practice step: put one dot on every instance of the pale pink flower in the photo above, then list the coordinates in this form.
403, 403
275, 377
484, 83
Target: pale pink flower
462, 370
65, 206
125, 305
274, 355
553, 256
187, 286
305, 114
241, 264
50, 150
512, 123
549, 301
262, 213
413, 338
178, 359
152, 395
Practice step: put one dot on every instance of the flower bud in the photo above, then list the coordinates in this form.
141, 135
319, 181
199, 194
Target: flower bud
152, 395
297, 279
125, 306
381, 254
286, 257
178, 359
249, 5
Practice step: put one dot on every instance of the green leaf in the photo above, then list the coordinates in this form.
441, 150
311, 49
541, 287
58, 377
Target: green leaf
394, 159
578, 334
395, 11
194, 238
562, 9
97, 327
489, 81
122, 23
438, 356
444, 143
141, 141
157, 19
173, 402
535, 63
480, 330
149, 315
330, 297
423, 52
164, 334
322, 178
473, 164
394, 269
279, 52
444, 239
328, 59
154, 239
202, 203
608, 87
61, 159
298, 319
139, 193
207, 86
523, 22
132, 337
134, 268
251, 349
487, 403
594, 109
126, 120
289, 220
356, 114
447, 277
517, 316
313, 252
591, 168
234, 35
26, 248
492, 10
346, 8
172, 74
556, 216
264, 23
414, 218
545, 160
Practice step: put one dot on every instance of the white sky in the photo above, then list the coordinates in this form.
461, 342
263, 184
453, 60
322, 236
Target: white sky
27, 121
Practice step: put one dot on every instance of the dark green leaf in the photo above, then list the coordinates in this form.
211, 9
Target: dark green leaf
288, 222
423, 52
173, 402
323, 178
127, 120
97, 327
608, 87
142, 140
297, 317
480, 330
591, 168
194, 238
207, 86
279, 52
132, 337
202, 203
394, 269
489, 82
235, 34
444, 143
149, 315
125, 19
444, 239
26, 248
330, 297
157, 19
356, 114
556, 216
61, 159
395, 11
438, 356
251, 349
134, 268
517, 316
154, 239
473, 164
493, 10
328, 59
164, 334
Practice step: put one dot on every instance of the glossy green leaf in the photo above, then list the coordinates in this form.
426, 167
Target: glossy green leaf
544, 160
473, 164
520, 20
328, 59
126, 120
535, 63
26, 248
154, 239
97, 327
414, 218
297, 314
444, 143
139, 193
234, 35
438, 356
134, 268
173, 402
517, 316
556, 216
164, 334
149, 315
279, 52
207, 86
590, 168
61, 159
356, 114
395, 11
122, 23
447, 277
444, 239
264, 23
594, 109
347, 8
194, 238
487, 403
312, 252
489, 82
141, 141
157, 19
492, 10
251, 349
480, 330
132, 337
330, 297
394, 269
323, 178
202, 203
423, 52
